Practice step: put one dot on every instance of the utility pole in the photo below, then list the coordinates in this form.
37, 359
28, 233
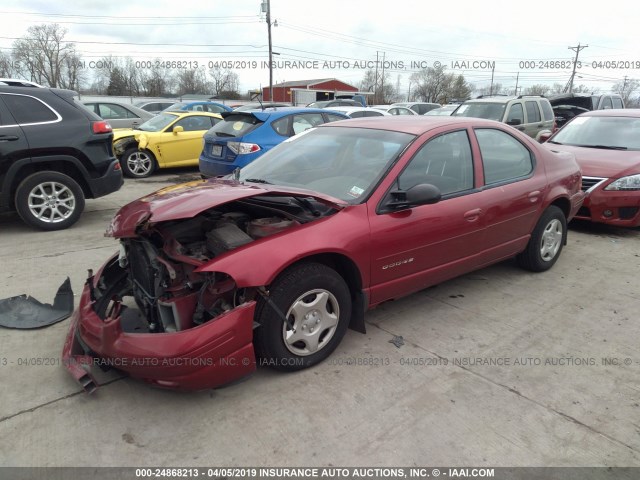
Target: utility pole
376, 89
382, 79
266, 8
575, 63
624, 85
516, 90
492, 71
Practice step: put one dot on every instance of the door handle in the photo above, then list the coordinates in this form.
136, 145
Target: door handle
534, 196
8, 138
520, 128
473, 215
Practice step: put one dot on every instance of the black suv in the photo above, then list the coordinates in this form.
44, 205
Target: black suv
54, 153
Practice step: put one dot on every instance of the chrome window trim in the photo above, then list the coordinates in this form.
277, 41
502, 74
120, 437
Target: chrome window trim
58, 116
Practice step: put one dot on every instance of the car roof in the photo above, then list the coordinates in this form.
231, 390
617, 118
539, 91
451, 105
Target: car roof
350, 109
278, 112
614, 112
413, 124
189, 113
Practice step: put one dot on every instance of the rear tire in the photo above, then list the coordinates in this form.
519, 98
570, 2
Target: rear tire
49, 201
546, 241
317, 301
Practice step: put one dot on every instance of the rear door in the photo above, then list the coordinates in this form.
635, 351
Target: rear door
514, 186
13, 148
533, 118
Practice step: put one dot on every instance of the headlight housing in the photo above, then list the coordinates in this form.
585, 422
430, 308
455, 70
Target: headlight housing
629, 183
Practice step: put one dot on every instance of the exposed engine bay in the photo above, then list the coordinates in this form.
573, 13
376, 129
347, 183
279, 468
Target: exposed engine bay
152, 285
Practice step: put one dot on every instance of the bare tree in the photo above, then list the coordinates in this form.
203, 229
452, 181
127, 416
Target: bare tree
626, 89
537, 89
433, 84
7, 66
44, 56
496, 89
192, 81
224, 80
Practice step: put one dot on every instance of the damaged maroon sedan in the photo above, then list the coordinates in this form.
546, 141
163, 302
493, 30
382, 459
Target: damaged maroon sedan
279, 261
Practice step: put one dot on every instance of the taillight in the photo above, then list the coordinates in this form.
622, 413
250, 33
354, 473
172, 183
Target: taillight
117, 166
241, 148
101, 127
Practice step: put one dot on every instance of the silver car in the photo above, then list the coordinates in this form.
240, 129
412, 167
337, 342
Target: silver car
119, 115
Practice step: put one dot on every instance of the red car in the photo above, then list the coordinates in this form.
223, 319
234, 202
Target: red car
278, 262
606, 144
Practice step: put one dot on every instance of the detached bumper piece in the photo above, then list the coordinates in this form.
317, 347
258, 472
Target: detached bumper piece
24, 312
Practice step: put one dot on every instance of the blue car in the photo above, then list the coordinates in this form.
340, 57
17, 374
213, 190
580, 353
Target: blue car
241, 137
213, 107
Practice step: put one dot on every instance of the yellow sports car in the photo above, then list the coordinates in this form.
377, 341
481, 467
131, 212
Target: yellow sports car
170, 139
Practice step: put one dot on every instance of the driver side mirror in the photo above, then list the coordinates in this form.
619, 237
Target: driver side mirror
177, 129
421, 194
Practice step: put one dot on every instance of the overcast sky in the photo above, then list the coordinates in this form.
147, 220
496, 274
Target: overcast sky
516, 36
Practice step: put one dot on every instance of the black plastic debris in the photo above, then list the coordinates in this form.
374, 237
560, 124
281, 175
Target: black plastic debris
26, 312
397, 340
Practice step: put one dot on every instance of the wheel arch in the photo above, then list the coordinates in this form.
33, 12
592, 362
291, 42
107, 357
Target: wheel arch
349, 271
18, 171
564, 204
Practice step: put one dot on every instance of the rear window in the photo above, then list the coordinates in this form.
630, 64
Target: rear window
29, 110
488, 110
235, 126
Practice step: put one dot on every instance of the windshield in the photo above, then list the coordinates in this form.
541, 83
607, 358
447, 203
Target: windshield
488, 110
601, 132
157, 123
342, 162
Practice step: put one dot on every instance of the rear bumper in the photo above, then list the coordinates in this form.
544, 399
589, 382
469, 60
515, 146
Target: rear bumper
214, 168
208, 356
110, 182
617, 208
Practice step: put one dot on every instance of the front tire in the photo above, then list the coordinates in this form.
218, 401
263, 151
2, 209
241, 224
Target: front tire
317, 302
49, 201
546, 241
138, 163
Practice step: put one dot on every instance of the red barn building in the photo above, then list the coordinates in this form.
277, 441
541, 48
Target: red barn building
302, 92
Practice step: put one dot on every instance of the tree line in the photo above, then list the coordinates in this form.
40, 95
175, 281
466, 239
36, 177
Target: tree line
43, 56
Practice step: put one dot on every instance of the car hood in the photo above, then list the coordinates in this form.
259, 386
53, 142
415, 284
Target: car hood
189, 199
599, 162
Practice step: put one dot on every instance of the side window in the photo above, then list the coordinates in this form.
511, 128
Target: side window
28, 110
503, 157
281, 126
357, 114
194, 123
533, 112
547, 111
373, 113
445, 162
306, 121
515, 114
617, 102
606, 103
213, 109
110, 111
